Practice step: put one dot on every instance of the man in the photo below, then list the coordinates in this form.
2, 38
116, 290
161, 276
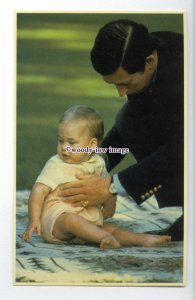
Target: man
148, 68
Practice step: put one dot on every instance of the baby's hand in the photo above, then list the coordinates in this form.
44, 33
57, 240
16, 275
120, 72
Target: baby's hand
32, 226
109, 207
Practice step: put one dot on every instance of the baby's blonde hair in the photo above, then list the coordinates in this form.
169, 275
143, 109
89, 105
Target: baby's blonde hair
92, 118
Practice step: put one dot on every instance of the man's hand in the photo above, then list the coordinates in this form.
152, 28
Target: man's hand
89, 189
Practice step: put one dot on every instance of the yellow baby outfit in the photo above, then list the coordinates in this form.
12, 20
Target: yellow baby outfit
56, 172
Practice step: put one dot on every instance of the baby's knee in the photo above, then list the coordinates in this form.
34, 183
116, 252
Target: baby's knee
69, 218
65, 220
61, 229
111, 228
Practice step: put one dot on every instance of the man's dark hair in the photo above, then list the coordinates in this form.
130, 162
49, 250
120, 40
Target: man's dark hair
122, 43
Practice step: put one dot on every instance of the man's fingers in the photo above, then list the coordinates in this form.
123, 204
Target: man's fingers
71, 192
76, 184
71, 185
76, 200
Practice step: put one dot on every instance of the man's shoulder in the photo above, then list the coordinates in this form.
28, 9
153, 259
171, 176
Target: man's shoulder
170, 43
168, 35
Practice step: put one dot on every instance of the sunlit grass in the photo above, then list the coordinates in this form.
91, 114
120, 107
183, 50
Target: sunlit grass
35, 79
59, 38
74, 87
55, 34
67, 37
71, 87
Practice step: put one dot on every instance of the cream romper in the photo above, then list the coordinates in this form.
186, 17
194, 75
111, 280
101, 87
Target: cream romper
56, 172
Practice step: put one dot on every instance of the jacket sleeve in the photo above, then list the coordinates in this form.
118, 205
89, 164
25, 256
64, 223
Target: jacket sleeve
156, 171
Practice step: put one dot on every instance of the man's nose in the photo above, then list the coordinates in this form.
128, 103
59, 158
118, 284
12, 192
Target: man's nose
122, 91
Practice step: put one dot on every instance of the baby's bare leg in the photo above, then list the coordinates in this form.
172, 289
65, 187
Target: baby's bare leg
70, 225
128, 238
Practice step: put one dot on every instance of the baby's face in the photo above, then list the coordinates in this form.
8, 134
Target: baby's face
74, 134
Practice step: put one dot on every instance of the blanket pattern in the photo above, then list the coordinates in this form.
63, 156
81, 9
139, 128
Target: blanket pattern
40, 263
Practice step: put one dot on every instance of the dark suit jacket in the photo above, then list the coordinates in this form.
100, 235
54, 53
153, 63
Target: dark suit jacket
151, 125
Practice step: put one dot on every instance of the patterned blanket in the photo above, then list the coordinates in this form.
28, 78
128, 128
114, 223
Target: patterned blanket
46, 264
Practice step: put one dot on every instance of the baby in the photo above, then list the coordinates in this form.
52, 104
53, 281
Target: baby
80, 131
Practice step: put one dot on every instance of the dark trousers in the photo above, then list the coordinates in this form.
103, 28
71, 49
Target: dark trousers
176, 231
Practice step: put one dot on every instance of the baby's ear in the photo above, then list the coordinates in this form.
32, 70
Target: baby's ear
93, 143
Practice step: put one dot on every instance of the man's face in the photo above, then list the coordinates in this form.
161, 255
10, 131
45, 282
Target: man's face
128, 84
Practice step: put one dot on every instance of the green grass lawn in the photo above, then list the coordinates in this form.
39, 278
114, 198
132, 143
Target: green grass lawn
54, 72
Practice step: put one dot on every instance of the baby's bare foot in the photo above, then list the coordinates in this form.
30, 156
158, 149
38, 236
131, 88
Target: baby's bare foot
109, 242
152, 240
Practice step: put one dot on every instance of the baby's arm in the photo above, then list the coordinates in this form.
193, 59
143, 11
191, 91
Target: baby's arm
109, 207
38, 194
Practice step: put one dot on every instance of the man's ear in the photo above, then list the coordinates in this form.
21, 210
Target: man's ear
93, 143
150, 60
